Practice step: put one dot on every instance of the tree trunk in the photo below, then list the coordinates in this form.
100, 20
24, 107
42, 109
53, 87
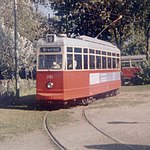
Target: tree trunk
148, 45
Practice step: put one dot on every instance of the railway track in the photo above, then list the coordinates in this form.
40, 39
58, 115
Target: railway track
57, 144
102, 132
87, 119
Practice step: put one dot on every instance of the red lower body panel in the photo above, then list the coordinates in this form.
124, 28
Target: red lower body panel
69, 85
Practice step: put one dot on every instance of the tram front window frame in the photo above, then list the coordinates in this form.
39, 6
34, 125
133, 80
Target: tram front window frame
50, 61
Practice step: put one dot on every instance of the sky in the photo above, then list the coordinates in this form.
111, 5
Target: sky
46, 10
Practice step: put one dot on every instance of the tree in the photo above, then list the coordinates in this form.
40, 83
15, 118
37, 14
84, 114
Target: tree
6, 54
89, 17
29, 27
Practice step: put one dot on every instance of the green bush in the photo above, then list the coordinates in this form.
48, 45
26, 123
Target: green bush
143, 76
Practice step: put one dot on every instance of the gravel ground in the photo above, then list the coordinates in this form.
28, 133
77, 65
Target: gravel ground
124, 118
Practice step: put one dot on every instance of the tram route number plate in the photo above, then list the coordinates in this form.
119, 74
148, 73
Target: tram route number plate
50, 76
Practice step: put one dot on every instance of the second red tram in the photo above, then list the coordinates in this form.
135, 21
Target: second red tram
130, 66
76, 68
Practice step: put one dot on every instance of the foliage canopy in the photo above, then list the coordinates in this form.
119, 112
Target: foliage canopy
90, 17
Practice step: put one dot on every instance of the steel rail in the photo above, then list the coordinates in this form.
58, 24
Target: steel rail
102, 132
52, 137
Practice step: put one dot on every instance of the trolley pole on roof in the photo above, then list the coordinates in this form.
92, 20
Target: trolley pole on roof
16, 50
109, 25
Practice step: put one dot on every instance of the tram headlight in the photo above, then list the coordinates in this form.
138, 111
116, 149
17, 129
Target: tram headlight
49, 85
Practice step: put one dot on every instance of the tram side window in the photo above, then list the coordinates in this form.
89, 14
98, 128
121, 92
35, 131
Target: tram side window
78, 59
104, 62
125, 64
69, 61
114, 62
138, 63
109, 62
77, 50
118, 63
69, 49
92, 62
98, 62
135, 63
85, 61
85, 50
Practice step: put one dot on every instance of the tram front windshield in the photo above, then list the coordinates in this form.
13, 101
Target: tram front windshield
53, 61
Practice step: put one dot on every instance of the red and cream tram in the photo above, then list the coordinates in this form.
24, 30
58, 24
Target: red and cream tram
76, 68
130, 66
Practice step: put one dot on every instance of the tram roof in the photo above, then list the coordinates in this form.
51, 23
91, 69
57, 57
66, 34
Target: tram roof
133, 57
81, 41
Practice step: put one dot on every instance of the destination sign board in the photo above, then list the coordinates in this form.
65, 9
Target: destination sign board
50, 49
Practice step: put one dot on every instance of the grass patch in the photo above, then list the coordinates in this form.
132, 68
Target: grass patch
135, 88
13, 122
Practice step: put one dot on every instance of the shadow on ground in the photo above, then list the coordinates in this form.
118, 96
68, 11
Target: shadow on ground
24, 103
29, 103
119, 147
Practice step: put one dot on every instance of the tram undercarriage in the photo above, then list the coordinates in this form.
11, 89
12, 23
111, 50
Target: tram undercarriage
48, 104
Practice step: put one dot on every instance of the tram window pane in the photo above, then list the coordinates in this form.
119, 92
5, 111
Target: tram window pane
118, 63
98, 62
113, 54
91, 51
133, 63
104, 62
92, 62
98, 52
50, 62
78, 50
42, 62
85, 50
109, 53
114, 62
69, 49
137, 63
103, 53
78, 59
69, 61
109, 62
125, 64
85, 61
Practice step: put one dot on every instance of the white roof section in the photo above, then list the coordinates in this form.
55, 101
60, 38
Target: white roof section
95, 40
133, 57
82, 41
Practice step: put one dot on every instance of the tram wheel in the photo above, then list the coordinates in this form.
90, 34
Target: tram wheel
86, 101
115, 92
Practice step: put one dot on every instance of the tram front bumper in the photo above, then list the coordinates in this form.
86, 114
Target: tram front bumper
50, 96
